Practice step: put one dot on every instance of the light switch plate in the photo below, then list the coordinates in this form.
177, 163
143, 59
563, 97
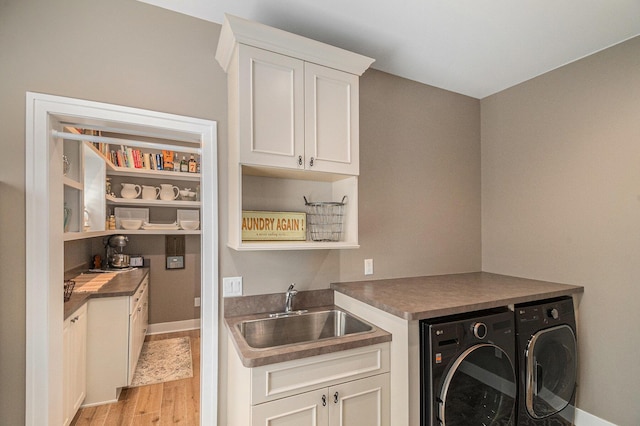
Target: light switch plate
368, 266
231, 286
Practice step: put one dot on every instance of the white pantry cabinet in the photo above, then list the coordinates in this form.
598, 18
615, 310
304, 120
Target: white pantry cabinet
293, 108
74, 334
347, 388
115, 336
138, 324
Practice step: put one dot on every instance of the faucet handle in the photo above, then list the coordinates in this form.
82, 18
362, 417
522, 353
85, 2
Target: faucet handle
290, 289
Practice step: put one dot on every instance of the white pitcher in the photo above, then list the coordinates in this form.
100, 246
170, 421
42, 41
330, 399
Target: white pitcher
130, 190
150, 192
169, 192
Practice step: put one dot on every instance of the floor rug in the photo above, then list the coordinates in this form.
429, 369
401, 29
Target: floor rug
163, 361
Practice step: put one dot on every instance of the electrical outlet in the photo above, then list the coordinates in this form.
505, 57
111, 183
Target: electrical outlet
231, 286
368, 266
196, 302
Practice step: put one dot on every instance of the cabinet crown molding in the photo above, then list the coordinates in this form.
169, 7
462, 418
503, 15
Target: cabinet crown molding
238, 30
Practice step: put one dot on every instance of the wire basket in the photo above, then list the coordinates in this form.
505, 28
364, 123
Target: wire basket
324, 219
68, 289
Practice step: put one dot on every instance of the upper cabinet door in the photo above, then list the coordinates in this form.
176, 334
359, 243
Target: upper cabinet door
331, 120
271, 108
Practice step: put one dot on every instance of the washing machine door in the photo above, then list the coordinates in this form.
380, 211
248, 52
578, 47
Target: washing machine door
479, 389
551, 370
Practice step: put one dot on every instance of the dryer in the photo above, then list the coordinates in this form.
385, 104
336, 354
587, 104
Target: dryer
548, 362
468, 374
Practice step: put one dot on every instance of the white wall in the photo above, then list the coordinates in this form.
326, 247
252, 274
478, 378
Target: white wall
561, 202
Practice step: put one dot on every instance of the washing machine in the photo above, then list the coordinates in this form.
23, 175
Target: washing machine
547, 362
468, 371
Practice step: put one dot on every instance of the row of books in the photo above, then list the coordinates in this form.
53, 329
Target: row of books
136, 159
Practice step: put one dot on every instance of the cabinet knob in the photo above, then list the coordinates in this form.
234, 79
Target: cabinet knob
324, 400
311, 162
299, 160
335, 397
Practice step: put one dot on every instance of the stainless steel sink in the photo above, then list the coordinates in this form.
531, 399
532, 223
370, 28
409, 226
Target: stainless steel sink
307, 327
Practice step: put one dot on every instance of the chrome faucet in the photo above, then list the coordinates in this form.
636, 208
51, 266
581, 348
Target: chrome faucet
288, 301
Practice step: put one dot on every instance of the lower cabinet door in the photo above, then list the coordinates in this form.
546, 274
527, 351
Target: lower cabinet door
307, 409
360, 402
79, 360
67, 374
74, 369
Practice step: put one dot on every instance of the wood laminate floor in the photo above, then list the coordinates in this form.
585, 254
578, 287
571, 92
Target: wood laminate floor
160, 404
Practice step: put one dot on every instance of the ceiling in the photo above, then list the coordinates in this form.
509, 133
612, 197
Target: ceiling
472, 47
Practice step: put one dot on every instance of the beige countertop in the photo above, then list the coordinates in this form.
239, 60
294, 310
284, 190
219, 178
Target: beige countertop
251, 357
122, 284
435, 296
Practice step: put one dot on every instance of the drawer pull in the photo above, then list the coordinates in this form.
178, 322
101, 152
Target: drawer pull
324, 400
299, 160
335, 397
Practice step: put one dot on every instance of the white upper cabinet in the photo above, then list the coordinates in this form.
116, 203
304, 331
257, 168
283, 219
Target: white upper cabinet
271, 108
293, 106
293, 102
331, 120
296, 115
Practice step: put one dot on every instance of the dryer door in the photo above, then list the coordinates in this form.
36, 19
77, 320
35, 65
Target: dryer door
479, 389
551, 371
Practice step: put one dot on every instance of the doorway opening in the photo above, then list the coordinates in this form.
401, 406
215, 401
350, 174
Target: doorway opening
47, 115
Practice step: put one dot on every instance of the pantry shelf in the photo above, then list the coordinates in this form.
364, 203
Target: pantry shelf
151, 203
113, 170
292, 245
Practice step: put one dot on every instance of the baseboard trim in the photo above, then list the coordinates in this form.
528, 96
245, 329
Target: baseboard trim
170, 327
586, 419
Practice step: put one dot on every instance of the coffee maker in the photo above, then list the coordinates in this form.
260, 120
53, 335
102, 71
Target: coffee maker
114, 247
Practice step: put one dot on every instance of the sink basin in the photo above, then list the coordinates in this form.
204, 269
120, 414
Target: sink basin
307, 327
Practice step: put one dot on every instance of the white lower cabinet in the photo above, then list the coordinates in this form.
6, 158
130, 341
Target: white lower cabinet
74, 362
307, 409
347, 388
138, 325
360, 402
117, 326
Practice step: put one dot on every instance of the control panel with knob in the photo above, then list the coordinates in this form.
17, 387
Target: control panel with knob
553, 313
479, 330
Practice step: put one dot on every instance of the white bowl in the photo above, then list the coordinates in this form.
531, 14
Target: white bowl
131, 224
189, 225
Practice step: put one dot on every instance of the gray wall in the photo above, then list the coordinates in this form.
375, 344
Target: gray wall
129, 53
419, 184
561, 202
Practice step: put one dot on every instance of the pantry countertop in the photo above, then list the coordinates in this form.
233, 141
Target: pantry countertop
121, 284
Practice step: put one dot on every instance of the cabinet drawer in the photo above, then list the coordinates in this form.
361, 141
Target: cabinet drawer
139, 295
275, 381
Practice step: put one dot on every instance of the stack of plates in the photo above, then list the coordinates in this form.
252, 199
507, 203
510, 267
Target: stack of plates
160, 226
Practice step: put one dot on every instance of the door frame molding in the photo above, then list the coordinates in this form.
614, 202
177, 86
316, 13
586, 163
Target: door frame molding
45, 246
